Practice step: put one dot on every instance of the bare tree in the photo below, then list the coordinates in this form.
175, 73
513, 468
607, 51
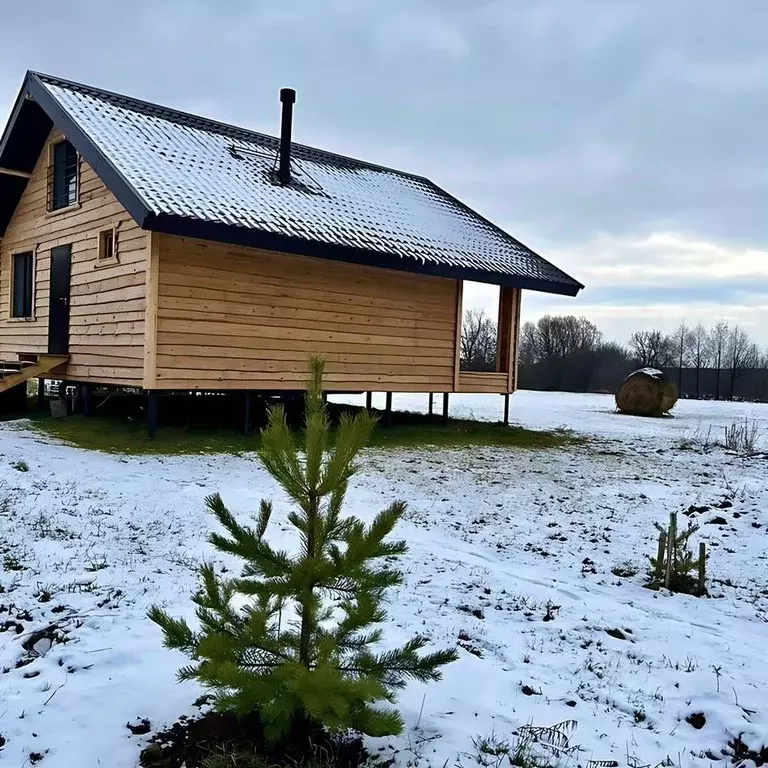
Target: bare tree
527, 353
651, 349
682, 342
559, 351
478, 342
718, 349
740, 355
700, 354
559, 337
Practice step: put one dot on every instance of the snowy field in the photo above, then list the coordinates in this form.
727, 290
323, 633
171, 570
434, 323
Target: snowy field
512, 554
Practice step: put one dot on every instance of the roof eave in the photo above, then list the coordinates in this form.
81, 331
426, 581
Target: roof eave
200, 229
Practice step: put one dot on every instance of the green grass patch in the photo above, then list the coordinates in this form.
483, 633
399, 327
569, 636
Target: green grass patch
415, 430
114, 434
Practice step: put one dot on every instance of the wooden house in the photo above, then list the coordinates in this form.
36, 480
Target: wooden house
145, 247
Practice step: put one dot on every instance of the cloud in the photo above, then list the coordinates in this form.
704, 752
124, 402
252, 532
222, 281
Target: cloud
420, 32
623, 140
661, 279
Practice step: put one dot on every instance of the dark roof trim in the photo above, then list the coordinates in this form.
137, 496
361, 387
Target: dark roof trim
128, 197
15, 112
182, 226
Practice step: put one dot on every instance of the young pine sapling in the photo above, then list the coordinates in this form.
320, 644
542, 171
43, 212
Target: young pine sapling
295, 636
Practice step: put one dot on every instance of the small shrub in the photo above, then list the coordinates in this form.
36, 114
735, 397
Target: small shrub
236, 759
675, 566
624, 570
12, 563
96, 564
21, 466
490, 750
742, 437
698, 439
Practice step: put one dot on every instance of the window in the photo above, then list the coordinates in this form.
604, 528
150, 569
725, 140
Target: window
23, 269
62, 176
107, 242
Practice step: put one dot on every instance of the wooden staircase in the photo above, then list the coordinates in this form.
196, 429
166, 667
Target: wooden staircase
28, 367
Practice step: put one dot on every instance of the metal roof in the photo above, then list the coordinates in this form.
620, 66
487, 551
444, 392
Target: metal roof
187, 175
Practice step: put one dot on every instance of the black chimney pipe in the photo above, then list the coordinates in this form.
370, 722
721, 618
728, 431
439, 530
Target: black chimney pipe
288, 99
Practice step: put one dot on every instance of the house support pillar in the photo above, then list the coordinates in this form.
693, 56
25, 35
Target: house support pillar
388, 410
87, 393
246, 426
41, 394
446, 397
369, 401
431, 403
506, 409
152, 414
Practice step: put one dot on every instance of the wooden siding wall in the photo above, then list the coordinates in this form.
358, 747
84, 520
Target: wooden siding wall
107, 303
239, 318
483, 381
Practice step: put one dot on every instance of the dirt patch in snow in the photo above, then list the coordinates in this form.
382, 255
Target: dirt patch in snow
190, 742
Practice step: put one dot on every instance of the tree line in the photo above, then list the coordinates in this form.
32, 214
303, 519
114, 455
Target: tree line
571, 354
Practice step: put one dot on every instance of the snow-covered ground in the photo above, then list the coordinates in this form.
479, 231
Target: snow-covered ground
512, 554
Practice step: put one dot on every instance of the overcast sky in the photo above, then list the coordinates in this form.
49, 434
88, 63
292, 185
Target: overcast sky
625, 140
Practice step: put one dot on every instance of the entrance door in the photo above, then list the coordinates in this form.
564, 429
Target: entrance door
58, 319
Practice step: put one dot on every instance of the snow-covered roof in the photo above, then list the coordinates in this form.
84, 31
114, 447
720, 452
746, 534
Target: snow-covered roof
183, 174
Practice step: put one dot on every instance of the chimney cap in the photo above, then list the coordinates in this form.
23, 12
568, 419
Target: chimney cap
287, 95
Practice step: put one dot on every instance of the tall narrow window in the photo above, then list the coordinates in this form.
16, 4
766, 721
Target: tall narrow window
23, 268
63, 176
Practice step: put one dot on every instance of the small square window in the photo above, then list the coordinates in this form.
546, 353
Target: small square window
23, 280
107, 241
62, 176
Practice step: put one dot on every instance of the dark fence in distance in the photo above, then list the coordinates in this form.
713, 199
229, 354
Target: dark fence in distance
751, 385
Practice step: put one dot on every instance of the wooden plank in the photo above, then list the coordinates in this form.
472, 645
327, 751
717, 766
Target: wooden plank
300, 365
317, 321
513, 380
192, 255
336, 287
13, 172
45, 364
505, 340
359, 354
196, 341
457, 334
307, 333
482, 382
269, 308
151, 318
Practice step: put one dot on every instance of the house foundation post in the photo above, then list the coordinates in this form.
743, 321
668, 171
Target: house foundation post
368, 401
388, 410
152, 414
87, 392
446, 396
246, 426
506, 409
41, 394
431, 403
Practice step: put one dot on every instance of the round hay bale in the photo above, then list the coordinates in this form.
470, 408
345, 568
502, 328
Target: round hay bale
646, 392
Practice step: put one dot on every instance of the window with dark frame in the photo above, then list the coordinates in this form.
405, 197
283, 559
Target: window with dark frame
107, 245
23, 278
62, 176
